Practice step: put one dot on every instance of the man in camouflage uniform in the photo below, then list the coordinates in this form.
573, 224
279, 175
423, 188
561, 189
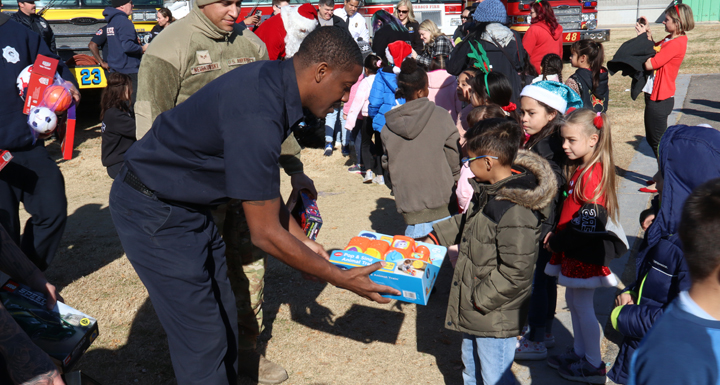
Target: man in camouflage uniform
192, 52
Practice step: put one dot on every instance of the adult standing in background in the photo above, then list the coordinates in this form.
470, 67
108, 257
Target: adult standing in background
355, 21
124, 50
436, 44
26, 16
326, 16
660, 87
404, 12
466, 21
98, 43
164, 18
544, 35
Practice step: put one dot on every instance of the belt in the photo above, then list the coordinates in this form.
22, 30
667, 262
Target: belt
133, 181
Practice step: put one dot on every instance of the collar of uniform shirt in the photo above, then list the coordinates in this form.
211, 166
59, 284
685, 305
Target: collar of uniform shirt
293, 103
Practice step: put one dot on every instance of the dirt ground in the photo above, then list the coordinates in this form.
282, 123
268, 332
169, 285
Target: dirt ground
320, 334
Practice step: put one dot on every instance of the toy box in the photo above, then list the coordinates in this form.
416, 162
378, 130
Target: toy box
410, 266
63, 333
43, 74
307, 215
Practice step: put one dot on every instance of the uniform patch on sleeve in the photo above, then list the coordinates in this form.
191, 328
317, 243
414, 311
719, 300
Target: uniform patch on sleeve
203, 57
238, 61
205, 68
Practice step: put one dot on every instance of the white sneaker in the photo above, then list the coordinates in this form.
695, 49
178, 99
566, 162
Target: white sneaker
368, 176
549, 337
379, 180
529, 350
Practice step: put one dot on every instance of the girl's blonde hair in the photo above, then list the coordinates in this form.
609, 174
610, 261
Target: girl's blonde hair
408, 4
685, 19
429, 25
602, 154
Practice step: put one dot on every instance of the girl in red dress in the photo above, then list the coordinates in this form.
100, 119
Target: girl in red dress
583, 242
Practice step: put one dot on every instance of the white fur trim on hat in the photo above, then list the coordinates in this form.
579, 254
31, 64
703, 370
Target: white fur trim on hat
297, 27
550, 98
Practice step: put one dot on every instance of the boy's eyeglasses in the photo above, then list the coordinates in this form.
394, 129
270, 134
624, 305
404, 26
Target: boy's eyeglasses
403, 12
468, 160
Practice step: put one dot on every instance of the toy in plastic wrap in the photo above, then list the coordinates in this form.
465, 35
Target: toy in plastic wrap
63, 332
410, 266
307, 214
57, 98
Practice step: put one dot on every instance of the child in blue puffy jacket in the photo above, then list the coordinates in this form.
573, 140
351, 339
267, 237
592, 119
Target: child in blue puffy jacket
662, 272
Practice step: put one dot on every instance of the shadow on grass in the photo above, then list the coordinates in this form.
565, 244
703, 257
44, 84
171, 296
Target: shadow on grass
89, 243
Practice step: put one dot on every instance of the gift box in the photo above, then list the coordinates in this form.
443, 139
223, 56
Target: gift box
63, 332
307, 215
410, 266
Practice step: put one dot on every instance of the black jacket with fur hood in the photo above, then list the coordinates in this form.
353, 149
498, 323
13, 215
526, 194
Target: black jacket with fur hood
499, 238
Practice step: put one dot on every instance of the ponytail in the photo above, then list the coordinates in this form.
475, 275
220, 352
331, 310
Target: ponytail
596, 56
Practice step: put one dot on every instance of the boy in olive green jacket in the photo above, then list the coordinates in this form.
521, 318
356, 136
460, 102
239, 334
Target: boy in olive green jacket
499, 237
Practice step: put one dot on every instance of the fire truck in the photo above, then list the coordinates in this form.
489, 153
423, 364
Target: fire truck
75, 22
577, 17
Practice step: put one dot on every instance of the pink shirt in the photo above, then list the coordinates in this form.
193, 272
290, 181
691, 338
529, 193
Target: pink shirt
359, 102
443, 92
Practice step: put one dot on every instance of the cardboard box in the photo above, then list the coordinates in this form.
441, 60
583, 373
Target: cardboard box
43, 75
414, 278
63, 333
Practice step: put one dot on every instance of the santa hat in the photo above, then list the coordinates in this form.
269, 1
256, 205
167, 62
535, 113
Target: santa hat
554, 94
396, 52
298, 22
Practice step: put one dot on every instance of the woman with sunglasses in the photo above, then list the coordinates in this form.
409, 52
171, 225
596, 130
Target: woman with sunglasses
404, 13
466, 23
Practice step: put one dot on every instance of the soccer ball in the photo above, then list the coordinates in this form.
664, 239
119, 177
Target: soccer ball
57, 98
42, 120
23, 80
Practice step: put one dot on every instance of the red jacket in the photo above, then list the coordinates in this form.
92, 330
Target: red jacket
539, 41
667, 63
272, 33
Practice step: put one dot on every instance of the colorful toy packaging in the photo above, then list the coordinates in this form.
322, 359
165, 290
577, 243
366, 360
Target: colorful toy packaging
410, 266
63, 333
307, 215
46, 96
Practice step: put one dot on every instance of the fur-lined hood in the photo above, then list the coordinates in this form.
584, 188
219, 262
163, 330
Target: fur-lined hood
534, 187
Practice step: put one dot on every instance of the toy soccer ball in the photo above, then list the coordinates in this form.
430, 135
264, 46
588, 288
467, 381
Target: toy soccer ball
42, 120
57, 98
23, 80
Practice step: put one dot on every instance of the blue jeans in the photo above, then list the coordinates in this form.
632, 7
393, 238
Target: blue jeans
331, 127
488, 360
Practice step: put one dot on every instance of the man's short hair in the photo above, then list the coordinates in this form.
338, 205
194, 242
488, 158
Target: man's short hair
497, 137
700, 230
276, 3
327, 3
330, 45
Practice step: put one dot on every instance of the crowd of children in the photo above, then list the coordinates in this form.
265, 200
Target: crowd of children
532, 204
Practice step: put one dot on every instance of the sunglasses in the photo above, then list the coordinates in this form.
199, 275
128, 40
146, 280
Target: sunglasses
464, 17
468, 160
403, 12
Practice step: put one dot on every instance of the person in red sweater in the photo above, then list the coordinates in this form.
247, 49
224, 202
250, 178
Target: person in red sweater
660, 87
544, 35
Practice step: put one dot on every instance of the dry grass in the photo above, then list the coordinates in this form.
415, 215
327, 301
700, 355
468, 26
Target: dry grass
320, 334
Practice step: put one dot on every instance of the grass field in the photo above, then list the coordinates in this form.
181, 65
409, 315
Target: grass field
321, 334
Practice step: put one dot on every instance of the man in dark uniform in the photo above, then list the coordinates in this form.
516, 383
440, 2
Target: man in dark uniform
99, 43
32, 177
27, 17
221, 144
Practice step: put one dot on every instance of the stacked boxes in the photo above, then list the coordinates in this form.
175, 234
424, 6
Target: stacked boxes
410, 266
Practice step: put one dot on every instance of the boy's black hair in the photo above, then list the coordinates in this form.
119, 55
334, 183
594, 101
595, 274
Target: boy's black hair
497, 137
330, 45
552, 64
700, 230
412, 78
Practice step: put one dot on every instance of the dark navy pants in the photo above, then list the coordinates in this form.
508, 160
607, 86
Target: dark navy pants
34, 179
543, 299
178, 254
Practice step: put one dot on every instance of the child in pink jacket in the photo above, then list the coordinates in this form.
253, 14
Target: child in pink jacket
443, 88
358, 111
